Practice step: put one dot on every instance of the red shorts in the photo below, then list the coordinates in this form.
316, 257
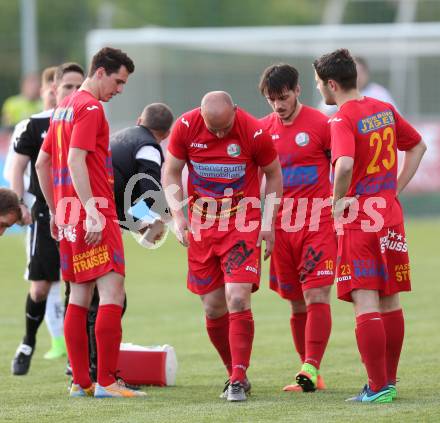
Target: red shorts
373, 260
223, 257
82, 263
302, 260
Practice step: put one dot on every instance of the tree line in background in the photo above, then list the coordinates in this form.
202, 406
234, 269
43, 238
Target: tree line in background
62, 26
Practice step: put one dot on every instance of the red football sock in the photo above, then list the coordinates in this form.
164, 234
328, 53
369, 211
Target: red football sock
318, 328
298, 329
75, 334
218, 332
394, 325
108, 332
371, 341
241, 336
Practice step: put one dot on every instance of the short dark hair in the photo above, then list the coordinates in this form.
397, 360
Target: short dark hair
277, 78
158, 117
339, 66
111, 59
66, 68
9, 203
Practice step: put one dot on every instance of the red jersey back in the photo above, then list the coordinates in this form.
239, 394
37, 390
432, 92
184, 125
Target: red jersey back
222, 170
304, 151
79, 122
371, 131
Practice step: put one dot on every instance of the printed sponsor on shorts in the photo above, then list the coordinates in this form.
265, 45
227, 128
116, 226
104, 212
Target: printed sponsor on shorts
344, 273
254, 269
393, 241
90, 259
402, 272
324, 273
370, 268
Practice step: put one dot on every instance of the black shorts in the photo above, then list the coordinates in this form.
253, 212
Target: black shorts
43, 255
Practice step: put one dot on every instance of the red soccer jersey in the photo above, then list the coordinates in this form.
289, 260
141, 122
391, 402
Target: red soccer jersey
304, 151
371, 131
219, 164
79, 122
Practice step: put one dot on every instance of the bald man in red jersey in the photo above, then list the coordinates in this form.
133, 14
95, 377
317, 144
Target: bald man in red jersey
224, 148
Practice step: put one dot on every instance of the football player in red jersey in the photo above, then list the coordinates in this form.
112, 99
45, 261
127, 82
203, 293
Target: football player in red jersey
372, 262
76, 176
303, 257
224, 148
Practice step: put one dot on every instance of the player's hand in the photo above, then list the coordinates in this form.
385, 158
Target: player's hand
144, 227
269, 238
160, 231
181, 228
26, 218
94, 229
152, 233
339, 207
54, 229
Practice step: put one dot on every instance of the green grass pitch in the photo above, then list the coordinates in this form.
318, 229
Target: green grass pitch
161, 310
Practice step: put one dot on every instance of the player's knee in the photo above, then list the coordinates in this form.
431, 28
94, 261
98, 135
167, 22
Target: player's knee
237, 303
39, 291
298, 306
317, 295
215, 312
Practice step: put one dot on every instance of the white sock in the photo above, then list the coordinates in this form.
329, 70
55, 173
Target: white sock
54, 316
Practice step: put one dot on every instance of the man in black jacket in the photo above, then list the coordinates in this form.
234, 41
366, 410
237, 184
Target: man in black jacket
137, 161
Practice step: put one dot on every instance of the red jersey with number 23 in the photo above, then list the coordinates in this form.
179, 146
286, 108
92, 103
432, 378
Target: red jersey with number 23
371, 131
222, 171
79, 122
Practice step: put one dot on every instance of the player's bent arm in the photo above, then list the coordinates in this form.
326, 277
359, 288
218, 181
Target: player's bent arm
411, 162
43, 166
273, 190
342, 179
172, 184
